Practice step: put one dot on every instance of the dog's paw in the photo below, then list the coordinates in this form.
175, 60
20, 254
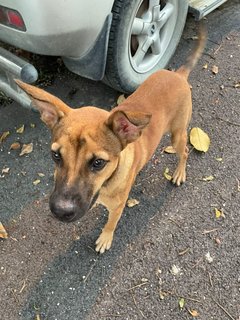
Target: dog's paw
104, 241
179, 176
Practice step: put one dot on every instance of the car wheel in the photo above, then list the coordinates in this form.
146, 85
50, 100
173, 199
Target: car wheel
143, 37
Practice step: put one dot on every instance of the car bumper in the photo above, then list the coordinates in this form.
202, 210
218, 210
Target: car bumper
64, 28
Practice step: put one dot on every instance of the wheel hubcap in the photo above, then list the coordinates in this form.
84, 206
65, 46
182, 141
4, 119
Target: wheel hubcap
152, 29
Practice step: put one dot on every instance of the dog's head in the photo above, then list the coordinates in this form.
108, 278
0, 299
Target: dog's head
86, 146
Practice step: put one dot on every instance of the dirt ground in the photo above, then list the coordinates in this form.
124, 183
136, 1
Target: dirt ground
172, 258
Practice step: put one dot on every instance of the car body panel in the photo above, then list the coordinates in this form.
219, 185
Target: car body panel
62, 28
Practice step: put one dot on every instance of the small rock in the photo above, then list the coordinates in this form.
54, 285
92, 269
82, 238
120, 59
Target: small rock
208, 257
175, 270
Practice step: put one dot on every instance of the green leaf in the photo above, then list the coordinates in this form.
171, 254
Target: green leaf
181, 303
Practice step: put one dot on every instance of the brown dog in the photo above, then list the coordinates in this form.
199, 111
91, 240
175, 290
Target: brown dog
98, 154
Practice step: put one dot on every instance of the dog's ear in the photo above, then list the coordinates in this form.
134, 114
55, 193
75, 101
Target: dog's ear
51, 108
128, 125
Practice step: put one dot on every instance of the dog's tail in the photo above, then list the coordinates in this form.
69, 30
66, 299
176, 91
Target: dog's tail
196, 54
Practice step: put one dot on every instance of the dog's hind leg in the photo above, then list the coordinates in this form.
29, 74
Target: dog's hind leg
179, 142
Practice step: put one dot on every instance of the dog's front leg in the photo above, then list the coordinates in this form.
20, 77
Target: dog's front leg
115, 209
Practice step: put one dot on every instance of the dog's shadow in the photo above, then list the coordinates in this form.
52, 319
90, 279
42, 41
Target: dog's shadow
72, 281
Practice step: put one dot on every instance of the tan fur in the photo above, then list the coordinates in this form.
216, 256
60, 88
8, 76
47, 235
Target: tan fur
125, 138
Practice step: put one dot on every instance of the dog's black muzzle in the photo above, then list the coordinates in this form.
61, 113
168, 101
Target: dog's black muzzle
69, 207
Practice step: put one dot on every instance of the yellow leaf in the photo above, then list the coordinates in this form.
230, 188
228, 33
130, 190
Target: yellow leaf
32, 125
219, 159
199, 139
3, 232
21, 129
162, 294
15, 146
193, 313
219, 213
167, 175
120, 99
169, 149
215, 69
36, 182
209, 178
26, 149
132, 202
205, 66
4, 136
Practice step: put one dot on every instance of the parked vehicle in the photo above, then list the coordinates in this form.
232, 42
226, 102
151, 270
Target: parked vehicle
118, 41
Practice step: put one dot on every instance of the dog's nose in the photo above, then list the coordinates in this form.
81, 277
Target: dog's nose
64, 210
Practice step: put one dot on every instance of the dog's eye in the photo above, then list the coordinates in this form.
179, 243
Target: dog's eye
56, 156
98, 164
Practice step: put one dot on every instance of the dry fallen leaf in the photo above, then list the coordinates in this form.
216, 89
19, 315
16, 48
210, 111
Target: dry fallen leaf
193, 313
169, 149
4, 136
181, 303
26, 149
162, 294
40, 174
144, 280
219, 159
120, 99
21, 129
209, 178
167, 175
3, 232
215, 69
199, 139
37, 181
219, 213
5, 170
205, 66
132, 202
15, 146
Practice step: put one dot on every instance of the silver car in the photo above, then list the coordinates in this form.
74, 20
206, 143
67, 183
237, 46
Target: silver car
120, 42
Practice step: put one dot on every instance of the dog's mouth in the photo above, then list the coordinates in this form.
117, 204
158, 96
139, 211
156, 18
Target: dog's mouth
68, 217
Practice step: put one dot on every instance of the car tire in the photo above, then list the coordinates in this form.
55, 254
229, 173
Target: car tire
143, 37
